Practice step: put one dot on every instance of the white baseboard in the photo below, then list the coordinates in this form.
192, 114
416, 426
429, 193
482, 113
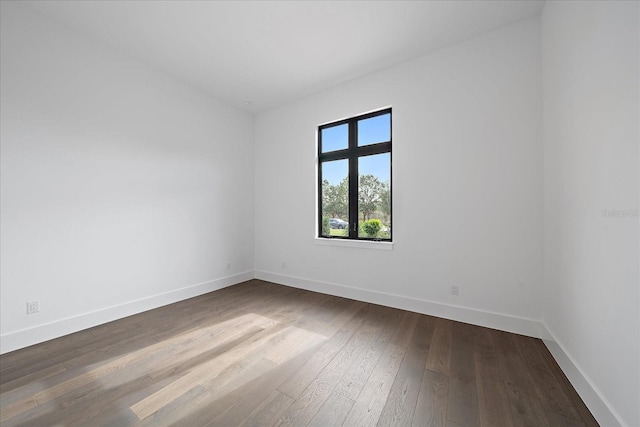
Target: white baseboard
595, 401
599, 406
503, 322
47, 331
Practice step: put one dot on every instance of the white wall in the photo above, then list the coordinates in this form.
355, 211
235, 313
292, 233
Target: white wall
122, 189
467, 185
591, 137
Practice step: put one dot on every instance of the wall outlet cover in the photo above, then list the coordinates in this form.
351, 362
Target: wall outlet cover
33, 307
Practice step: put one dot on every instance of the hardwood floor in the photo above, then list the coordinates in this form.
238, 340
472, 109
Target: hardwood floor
261, 354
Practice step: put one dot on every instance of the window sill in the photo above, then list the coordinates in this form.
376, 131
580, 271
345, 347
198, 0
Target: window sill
363, 244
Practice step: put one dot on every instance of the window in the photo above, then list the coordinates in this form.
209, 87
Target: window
354, 178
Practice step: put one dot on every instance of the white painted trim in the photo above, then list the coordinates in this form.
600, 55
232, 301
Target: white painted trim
593, 398
47, 331
503, 322
589, 393
362, 244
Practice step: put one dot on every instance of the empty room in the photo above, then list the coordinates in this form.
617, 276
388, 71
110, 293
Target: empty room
319, 213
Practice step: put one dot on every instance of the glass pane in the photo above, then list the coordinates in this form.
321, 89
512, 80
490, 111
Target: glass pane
335, 138
374, 196
374, 130
335, 198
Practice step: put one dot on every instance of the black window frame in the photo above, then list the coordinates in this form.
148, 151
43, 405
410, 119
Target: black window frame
353, 153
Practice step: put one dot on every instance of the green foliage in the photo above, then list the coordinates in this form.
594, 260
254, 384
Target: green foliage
385, 200
372, 227
325, 226
374, 203
339, 232
335, 199
370, 191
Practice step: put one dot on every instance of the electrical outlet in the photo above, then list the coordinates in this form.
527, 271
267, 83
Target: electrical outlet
455, 290
33, 307
284, 265
228, 266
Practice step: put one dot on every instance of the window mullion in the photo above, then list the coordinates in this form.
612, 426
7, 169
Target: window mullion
353, 180
375, 137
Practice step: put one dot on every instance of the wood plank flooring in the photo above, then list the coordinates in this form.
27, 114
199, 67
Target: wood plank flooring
261, 354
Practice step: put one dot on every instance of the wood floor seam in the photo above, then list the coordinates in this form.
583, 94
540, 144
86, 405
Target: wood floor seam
262, 354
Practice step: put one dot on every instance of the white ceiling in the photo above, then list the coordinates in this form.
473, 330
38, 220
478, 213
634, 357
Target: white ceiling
273, 52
